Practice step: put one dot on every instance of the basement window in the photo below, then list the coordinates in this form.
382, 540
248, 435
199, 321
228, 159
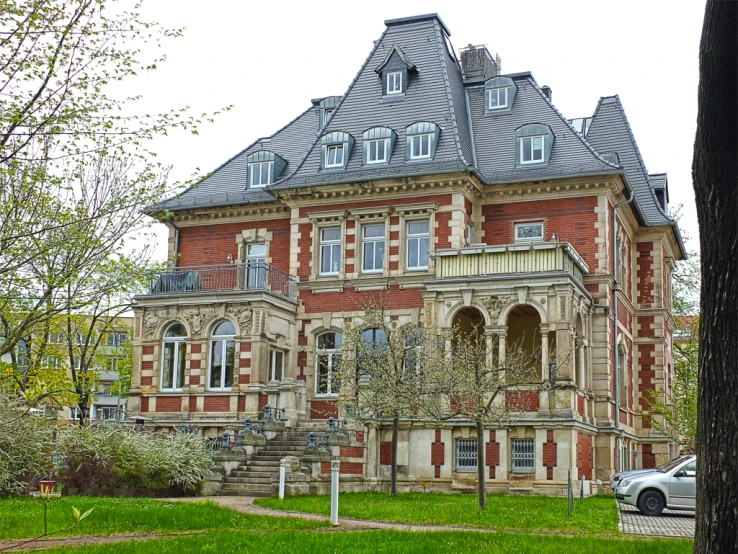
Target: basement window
466, 455
523, 455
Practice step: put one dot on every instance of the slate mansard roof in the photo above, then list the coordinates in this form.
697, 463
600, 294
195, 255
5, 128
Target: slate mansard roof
469, 140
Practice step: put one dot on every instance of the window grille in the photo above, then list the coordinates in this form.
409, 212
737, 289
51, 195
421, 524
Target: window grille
523, 455
466, 455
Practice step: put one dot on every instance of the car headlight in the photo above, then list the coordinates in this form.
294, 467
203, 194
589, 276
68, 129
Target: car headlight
624, 483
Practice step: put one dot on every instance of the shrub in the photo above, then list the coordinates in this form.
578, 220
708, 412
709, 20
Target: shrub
108, 457
25, 447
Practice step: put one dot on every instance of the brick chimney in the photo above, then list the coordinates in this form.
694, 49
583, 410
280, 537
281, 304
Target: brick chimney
478, 65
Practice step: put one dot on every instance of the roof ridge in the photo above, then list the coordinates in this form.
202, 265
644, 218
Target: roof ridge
569, 125
449, 97
335, 111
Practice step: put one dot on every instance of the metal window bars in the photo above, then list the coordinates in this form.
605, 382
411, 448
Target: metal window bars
466, 455
523, 455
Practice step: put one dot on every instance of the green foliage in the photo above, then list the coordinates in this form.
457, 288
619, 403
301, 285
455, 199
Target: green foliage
23, 517
109, 456
25, 447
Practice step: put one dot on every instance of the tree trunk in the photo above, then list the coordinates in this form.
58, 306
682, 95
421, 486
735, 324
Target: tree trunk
716, 194
393, 471
481, 466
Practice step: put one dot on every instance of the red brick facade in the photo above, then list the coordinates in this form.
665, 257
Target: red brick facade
493, 454
585, 455
385, 453
438, 453
168, 403
217, 404
520, 400
323, 409
550, 449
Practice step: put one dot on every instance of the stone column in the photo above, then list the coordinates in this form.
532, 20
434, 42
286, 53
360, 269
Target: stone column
544, 351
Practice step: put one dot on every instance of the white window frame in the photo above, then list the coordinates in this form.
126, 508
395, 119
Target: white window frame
335, 147
529, 224
419, 138
327, 114
332, 354
415, 237
417, 347
532, 150
496, 93
273, 356
465, 455
256, 269
221, 342
395, 79
253, 173
372, 242
523, 450
375, 144
331, 244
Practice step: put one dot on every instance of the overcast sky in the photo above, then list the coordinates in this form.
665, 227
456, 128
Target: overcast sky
269, 59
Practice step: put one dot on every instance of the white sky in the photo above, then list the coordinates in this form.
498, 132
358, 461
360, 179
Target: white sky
269, 59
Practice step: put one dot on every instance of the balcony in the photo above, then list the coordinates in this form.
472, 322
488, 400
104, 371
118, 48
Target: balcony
253, 276
509, 259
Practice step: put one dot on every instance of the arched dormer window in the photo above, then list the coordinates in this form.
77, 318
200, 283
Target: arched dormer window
379, 143
328, 359
422, 138
335, 150
222, 355
264, 168
499, 95
533, 145
327, 106
174, 348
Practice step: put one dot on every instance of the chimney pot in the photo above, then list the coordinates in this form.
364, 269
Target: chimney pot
477, 64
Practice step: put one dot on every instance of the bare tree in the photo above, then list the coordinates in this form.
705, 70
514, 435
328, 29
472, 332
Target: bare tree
714, 171
468, 376
378, 372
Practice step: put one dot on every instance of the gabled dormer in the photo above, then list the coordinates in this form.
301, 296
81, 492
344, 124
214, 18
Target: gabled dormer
395, 71
264, 168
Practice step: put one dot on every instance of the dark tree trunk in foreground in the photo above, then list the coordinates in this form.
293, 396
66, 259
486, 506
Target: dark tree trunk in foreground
481, 466
716, 193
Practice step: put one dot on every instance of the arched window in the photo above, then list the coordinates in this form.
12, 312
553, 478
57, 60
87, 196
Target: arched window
328, 358
222, 355
173, 364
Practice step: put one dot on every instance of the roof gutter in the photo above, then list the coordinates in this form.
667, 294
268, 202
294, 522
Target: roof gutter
615, 318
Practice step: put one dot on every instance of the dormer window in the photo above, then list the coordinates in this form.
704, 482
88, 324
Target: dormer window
422, 138
420, 146
378, 145
499, 95
531, 150
394, 82
533, 144
335, 150
263, 168
497, 98
334, 156
260, 174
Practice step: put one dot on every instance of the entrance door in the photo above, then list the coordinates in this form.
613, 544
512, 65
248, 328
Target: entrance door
256, 266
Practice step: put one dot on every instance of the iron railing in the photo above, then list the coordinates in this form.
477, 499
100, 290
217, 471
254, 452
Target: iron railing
466, 455
256, 276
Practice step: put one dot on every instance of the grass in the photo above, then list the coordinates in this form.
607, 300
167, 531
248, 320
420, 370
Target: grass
597, 515
23, 517
301, 542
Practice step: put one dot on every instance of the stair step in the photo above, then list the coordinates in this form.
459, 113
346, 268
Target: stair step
250, 480
280, 452
247, 487
259, 494
263, 463
253, 474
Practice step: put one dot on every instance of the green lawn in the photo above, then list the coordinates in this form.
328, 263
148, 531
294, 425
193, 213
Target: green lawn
23, 517
597, 515
299, 542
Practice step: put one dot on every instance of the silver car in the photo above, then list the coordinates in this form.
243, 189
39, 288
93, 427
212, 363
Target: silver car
671, 485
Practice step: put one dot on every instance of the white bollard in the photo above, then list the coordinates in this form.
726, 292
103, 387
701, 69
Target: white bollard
282, 472
335, 467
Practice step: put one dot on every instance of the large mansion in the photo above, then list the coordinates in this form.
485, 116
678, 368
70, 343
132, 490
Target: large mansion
454, 194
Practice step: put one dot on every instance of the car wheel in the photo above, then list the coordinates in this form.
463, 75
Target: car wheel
651, 503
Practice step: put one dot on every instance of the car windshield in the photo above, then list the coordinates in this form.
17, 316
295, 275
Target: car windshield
671, 464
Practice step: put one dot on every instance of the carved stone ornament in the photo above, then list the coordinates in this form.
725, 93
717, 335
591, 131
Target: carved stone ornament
494, 305
197, 319
244, 316
153, 318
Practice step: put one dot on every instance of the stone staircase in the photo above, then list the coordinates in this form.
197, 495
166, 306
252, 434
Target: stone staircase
259, 475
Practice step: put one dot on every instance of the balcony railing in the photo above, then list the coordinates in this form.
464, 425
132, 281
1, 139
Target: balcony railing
252, 276
534, 257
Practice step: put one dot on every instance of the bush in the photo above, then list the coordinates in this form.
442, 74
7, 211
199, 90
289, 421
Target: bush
108, 457
25, 447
